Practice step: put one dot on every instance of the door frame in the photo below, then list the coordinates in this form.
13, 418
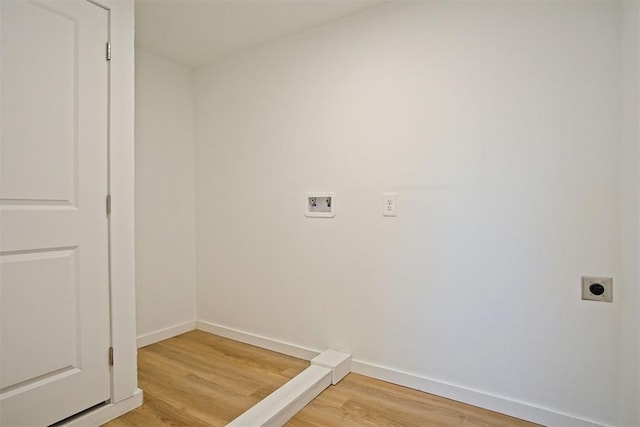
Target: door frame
125, 394
121, 184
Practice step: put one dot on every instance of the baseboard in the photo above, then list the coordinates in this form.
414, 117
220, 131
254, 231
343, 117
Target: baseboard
105, 413
258, 341
477, 398
166, 333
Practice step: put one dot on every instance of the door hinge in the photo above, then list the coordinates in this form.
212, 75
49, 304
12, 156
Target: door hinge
109, 51
108, 204
110, 356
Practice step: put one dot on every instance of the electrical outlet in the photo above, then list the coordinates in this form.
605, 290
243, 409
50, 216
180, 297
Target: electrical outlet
390, 204
597, 288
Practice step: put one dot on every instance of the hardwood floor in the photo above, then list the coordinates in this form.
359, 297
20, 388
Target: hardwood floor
362, 401
199, 379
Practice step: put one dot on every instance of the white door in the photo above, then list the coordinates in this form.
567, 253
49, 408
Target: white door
54, 266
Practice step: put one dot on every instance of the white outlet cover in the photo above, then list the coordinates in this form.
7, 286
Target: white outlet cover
390, 204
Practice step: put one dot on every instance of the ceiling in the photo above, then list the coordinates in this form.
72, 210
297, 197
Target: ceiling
198, 32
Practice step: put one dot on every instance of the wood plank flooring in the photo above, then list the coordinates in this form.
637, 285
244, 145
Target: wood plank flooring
362, 401
199, 379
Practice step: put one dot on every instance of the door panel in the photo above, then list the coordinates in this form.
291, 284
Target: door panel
51, 144
38, 280
54, 277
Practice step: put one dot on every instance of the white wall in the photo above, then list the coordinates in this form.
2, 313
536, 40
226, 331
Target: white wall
630, 215
165, 200
498, 126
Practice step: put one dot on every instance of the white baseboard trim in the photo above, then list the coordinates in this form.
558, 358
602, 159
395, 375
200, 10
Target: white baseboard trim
166, 333
103, 414
477, 398
258, 341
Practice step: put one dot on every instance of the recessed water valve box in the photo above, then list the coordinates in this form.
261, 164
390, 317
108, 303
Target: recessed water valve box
597, 288
321, 205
